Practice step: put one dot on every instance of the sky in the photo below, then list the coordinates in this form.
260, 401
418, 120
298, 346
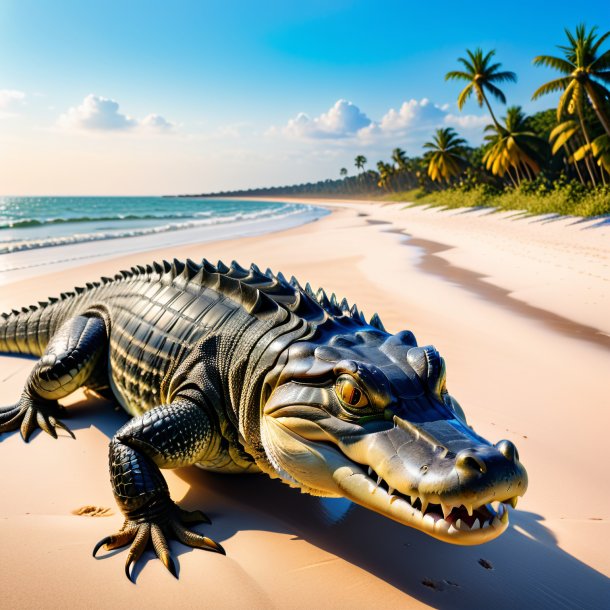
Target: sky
146, 98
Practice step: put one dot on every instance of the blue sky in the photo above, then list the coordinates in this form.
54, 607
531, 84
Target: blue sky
155, 97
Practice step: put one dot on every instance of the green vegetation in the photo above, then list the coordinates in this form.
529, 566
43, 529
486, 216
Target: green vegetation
553, 161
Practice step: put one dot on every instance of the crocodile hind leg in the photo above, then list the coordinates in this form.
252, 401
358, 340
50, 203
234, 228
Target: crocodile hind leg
66, 364
168, 436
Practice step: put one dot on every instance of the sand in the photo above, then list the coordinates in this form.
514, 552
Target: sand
519, 308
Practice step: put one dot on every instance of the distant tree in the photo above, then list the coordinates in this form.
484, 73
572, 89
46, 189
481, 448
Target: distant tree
360, 161
386, 171
513, 148
446, 155
343, 172
481, 77
400, 159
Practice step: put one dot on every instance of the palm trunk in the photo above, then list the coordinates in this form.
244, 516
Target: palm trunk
596, 106
569, 153
588, 143
491, 112
511, 177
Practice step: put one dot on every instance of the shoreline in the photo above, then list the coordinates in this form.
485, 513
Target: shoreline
515, 376
24, 263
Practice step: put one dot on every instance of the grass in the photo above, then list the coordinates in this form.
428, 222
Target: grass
565, 200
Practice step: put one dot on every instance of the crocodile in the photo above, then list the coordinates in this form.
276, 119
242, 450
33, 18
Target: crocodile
237, 370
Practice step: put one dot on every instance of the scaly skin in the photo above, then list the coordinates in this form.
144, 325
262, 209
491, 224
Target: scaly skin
235, 370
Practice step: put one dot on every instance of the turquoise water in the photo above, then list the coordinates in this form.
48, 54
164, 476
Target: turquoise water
38, 222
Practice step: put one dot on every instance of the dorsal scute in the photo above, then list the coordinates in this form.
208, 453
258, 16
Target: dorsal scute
236, 270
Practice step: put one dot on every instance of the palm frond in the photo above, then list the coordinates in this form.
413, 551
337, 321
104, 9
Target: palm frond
599, 42
558, 84
464, 95
566, 98
495, 92
467, 65
458, 75
503, 77
556, 63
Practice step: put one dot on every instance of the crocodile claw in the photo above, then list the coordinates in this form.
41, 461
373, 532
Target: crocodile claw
27, 415
140, 535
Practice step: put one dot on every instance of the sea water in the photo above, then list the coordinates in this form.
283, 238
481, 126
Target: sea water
41, 222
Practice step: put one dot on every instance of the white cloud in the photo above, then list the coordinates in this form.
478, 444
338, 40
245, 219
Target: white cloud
155, 122
97, 113
10, 102
342, 120
10, 98
467, 121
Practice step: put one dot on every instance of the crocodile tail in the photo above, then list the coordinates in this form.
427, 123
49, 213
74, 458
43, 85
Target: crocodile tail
26, 331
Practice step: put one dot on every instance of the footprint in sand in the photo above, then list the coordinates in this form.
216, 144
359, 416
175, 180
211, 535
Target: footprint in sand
93, 511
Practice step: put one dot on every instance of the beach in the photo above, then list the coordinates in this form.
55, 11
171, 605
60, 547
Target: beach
518, 307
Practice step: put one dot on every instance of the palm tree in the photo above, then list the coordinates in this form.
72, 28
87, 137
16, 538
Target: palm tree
481, 77
399, 156
584, 72
569, 134
565, 136
513, 147
386, 171
360, 161
343, 172
446, 156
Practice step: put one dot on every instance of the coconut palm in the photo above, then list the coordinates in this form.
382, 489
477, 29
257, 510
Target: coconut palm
569, 134
446, 155
360, 161
386, 171
401, 162
481, 77
513, 147
343, 172
585, 73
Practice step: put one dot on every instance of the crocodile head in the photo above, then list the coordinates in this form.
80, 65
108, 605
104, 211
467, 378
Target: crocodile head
367, 416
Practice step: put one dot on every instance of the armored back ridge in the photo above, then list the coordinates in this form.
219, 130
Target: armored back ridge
236, 370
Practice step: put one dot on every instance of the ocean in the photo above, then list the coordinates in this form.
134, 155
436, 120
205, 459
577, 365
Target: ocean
61, 232
41, 222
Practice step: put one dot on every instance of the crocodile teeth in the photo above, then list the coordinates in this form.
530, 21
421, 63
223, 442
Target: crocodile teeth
452, 530
504, 517
379, 479
393, 499
370, 471
390, 490
424, 504
496, 506
429, 521
476, 525
469, 509
446, 509
513, 501
459, 524
496, 523
441, 526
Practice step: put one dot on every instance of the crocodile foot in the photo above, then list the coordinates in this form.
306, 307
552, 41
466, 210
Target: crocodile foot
156, 531
29, 414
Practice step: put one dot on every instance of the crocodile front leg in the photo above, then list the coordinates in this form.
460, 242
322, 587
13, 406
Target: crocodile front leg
168, 436
67, 364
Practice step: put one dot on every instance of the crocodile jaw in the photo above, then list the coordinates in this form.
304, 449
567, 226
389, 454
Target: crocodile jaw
357, 486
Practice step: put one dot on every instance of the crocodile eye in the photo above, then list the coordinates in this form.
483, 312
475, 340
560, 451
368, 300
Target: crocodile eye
349, 393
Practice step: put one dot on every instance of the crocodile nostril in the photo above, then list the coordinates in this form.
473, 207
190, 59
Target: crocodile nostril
467, 461
508, 450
